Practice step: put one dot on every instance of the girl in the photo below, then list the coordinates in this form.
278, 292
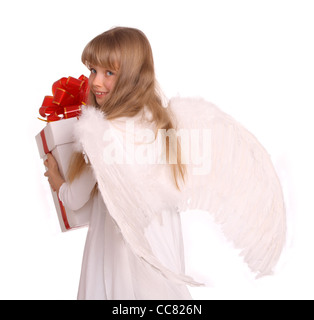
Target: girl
122, 82
130, 166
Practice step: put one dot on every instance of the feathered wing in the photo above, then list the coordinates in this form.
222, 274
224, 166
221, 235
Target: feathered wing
230, 175
235, 182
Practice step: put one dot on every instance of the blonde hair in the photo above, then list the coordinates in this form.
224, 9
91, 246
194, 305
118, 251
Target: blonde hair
127, 52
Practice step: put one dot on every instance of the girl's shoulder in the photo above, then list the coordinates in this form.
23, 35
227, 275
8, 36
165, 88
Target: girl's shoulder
90, 125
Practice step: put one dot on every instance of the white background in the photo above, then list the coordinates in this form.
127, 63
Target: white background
254, 59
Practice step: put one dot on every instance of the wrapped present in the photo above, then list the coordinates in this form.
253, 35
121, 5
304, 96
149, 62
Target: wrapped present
65, 105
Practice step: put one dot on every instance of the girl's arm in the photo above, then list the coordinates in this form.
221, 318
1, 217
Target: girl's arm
75, 194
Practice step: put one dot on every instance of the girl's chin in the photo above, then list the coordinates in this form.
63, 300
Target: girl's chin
100, 99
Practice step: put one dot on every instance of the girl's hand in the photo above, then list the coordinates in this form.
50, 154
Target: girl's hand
54, 177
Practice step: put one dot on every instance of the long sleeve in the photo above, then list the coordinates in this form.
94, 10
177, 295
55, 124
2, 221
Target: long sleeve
76, 194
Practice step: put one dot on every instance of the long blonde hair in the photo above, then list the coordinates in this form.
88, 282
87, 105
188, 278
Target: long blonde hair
127, 51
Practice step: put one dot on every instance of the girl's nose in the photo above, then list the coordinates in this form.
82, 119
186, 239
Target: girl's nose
97, 81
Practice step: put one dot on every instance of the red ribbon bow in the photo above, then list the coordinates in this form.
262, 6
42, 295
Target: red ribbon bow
68, 96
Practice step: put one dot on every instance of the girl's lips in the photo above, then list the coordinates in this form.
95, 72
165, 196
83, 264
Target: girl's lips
98, 93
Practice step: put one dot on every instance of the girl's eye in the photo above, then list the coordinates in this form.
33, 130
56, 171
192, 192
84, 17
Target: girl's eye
92, 70
109, 73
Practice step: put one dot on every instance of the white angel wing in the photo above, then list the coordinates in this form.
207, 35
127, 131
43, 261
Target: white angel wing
230, 175
235, 181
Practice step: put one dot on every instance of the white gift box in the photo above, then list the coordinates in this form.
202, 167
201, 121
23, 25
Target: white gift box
57, 138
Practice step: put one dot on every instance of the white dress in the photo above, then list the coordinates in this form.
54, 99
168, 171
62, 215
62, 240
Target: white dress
110, 270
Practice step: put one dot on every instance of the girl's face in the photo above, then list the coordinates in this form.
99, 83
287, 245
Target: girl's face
101, 82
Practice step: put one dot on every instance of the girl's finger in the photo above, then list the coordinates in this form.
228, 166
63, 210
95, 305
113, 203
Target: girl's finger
51, 184
50, 157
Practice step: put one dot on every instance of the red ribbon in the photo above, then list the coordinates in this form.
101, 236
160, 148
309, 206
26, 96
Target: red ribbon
64, 215
68, 96
62, 208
